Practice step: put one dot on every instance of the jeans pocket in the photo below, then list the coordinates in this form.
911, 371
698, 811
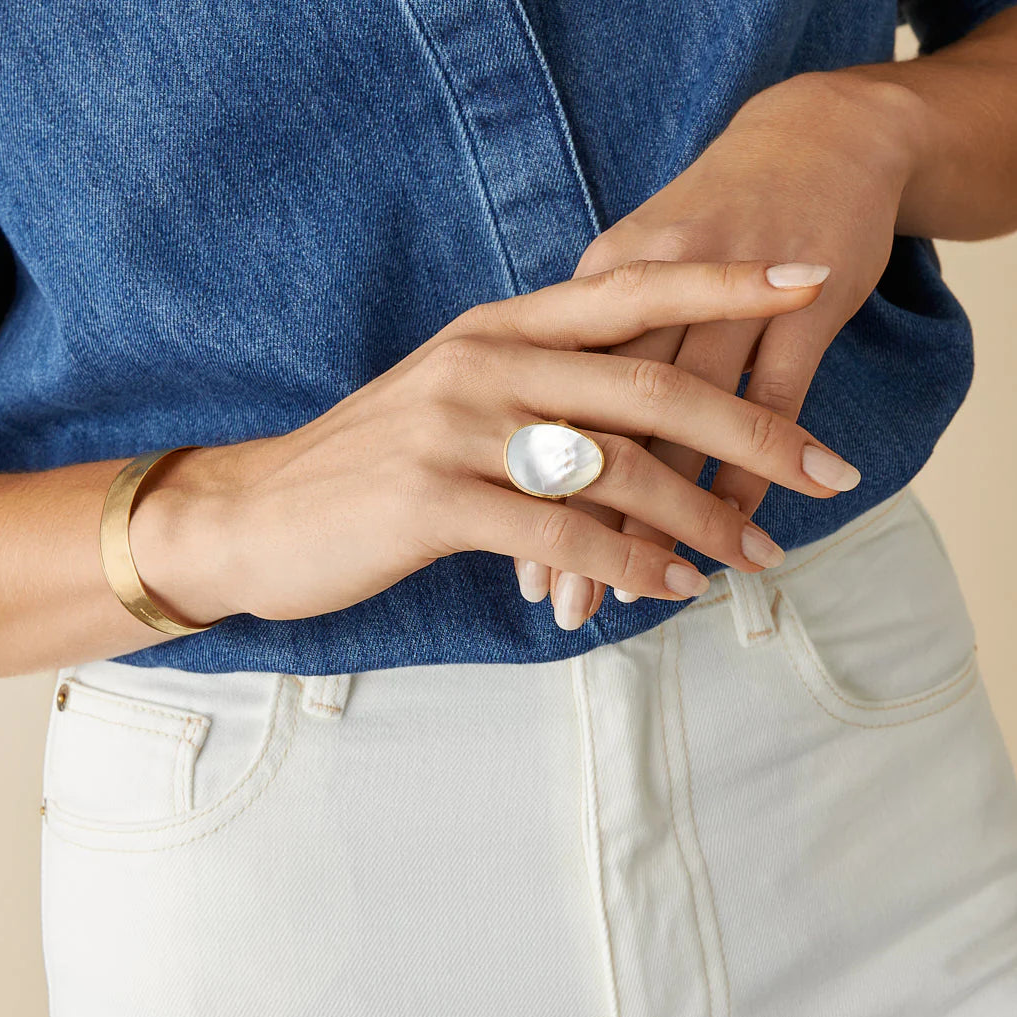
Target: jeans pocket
126, 773
113, 758
879, 632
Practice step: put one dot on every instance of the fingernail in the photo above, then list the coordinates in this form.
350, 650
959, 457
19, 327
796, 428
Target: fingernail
796, 273
573, 597
759, 548
534, 580
685, 580
733, 502
829, 469
625, 597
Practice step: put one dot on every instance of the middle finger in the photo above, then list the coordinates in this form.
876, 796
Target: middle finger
631, 396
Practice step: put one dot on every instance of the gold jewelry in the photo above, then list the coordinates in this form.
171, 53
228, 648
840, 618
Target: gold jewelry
115, 548
551, 459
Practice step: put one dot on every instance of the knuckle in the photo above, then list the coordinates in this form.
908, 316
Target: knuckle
657, 382
558, 532
631, 574
630, 277
777, 394
764, 432
624, 462
713, 521
727, 278
457, 357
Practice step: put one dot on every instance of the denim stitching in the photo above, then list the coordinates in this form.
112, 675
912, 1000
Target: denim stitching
776, 574
692, 812
252, 770
674, 826
133, 727
855, 723
117, 700
577, 666
435, 55
939, 690
565, 131
200, 836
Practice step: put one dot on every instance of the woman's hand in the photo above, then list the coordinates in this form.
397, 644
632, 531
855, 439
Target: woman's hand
811, 170
409, 468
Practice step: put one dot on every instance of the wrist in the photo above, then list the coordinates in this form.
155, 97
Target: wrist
181, 535
879, 125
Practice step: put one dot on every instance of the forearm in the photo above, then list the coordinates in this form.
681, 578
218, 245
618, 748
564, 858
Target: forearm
944, 125
56, 607
964, 180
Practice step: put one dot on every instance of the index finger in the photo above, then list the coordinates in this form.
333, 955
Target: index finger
624, 302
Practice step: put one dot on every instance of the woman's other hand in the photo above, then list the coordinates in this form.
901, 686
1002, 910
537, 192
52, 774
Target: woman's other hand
811, 170
409, 467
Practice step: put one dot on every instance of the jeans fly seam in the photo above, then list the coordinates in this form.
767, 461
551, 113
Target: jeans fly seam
726, 1002
178, 778
578, 668
674, 826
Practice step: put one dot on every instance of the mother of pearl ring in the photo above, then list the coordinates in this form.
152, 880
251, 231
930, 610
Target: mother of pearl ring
551, 459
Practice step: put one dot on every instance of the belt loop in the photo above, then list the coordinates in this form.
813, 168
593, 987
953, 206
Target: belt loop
750, 605
325, 695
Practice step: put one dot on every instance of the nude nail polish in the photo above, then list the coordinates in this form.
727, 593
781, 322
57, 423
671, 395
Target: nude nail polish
685, 580
794, 274
573, 597
533, 580
829, 469
759, 548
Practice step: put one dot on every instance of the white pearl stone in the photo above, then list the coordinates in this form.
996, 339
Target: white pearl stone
551, 459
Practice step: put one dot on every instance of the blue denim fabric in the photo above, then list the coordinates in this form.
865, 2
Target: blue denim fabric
225, 217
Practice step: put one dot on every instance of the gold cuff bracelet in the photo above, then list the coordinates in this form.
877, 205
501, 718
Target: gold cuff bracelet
115, 548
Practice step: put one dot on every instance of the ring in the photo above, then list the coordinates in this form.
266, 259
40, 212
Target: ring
551, 459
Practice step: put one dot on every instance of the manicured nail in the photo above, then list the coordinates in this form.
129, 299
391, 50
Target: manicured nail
829, 469
573, 597
534, 580
794, 274
733, 502
685, 580
625, 597
759, 548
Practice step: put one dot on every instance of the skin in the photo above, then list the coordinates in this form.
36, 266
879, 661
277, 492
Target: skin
824, 167
317, 519
215, 530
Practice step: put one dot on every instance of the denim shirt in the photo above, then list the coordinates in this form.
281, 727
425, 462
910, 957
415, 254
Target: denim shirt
222, 218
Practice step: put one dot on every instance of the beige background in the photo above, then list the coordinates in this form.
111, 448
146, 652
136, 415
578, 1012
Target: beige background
969, 486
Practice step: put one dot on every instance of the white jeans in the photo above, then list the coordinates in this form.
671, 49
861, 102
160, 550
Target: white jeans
790, 800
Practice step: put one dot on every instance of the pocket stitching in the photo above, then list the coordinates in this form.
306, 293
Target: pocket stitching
127, 831
968, 672
129, 703
135, 727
